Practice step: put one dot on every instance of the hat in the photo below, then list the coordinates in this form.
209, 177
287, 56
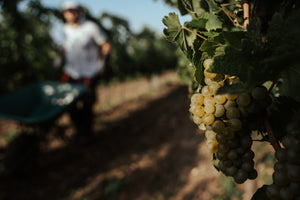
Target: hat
70, 5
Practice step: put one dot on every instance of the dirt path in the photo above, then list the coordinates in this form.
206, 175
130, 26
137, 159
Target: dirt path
145, 148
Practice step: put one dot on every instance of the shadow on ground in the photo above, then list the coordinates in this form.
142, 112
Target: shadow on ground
147, 155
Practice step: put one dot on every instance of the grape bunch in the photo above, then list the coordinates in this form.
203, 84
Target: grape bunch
286, 176
223, 117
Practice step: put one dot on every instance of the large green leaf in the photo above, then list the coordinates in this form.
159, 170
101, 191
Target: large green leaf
175, 33
213, 22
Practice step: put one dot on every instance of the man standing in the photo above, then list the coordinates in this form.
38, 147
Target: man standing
83, 60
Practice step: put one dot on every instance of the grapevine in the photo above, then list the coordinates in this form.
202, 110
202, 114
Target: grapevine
246, 70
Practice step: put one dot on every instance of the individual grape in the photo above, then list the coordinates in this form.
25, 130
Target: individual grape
243, 99
232, 154
220, 99
259, 93
218, 126
231, 96
219, 111
207, 63
206, 91
235, 124
240, 177
209, 74
208, 118
285, 193
214, 86
232, 170
209, 108
212, 146
229, 103
228, 133
210, 135
197, 99
248, 165
207, 81
232, 113
197, 120
198, 111
209, 101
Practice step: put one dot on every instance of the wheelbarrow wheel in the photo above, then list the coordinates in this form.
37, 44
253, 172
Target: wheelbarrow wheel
21, 155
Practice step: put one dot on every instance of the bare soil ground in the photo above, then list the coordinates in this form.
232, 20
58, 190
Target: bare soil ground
145, 148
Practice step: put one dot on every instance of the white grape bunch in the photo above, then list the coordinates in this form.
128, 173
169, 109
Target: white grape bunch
221, 115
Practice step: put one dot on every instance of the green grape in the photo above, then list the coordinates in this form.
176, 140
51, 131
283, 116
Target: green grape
220, 110
197, 120
248, 165
209, 108
220, 99
218, 126
235, 124
259, 93
197, 99
231, 171
198, 111
229, 103
231, 97
286, 194
207, 63
228, 133
207, 81
232, 154
243, 99
232, 113
221, 155
214, 86
240, 177
210, 135
206, 91
208, 100
233, 143
208, 118
212, 146
281, 155
209, 74
280, 178
273, 191
293, 172
220, 138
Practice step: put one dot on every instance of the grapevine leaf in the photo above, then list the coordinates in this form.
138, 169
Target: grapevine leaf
280, 115
232, 89
260, 194
196, 24
213, 22
290, 83
181, 8
175, 33
185, 6
197, 62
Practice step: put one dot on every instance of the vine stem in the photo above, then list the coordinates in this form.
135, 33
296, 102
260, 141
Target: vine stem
275, 144
186, 28
246, 10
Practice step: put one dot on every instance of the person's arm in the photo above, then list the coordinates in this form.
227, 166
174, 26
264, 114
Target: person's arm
105, 50
59, 60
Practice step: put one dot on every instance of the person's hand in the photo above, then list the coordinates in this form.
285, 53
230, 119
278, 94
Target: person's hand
106, 47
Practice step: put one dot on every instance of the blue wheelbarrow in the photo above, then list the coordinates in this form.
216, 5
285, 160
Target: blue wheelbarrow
36, 107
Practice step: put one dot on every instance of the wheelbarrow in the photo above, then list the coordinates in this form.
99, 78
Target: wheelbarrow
36, 107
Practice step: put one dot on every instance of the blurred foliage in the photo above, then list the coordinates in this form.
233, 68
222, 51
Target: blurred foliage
28, 50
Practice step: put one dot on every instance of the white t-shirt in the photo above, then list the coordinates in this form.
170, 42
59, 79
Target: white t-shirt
81, 49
